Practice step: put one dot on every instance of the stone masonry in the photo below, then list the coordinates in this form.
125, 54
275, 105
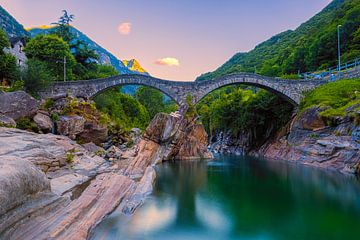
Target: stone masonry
291, 90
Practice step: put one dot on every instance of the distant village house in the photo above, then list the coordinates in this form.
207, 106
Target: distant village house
16, 49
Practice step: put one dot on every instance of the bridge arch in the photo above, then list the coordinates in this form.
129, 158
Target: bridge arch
278, 87
137, 84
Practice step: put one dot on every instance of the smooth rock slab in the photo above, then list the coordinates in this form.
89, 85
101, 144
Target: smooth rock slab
77, 219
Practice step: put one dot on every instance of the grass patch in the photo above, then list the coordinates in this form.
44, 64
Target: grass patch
70, 155
337, 97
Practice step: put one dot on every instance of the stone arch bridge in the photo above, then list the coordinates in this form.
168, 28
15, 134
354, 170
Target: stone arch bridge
291, 90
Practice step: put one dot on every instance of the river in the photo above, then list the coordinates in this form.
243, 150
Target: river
235, 197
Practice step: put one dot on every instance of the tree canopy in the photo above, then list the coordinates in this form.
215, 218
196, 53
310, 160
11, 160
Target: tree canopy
52, 50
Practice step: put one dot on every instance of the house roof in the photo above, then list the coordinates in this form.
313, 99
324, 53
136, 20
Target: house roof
15, 40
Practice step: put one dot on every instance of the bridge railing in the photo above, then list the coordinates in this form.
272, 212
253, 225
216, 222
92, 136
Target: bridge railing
333, 73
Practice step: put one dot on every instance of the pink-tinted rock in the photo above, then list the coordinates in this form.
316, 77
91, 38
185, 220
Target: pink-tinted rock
43, 122
70, 126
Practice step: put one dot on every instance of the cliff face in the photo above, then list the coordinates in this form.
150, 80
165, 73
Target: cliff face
307, 139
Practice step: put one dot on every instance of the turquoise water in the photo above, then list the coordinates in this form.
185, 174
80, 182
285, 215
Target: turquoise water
242, 198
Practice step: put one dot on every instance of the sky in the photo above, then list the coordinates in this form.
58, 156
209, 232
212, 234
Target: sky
172, 39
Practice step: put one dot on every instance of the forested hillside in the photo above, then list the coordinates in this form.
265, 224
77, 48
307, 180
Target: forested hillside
312, 46
10, 26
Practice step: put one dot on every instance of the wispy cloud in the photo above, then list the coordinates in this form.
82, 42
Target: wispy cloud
168, 61
125, 28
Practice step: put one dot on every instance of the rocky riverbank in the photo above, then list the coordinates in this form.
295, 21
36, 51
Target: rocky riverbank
307, 139
310, 140
54, 188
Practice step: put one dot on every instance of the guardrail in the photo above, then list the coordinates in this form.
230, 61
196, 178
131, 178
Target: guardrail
333, 73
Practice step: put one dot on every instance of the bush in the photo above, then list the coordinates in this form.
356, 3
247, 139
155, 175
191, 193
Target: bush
70, 155
36, 76
8, 68
125, 111
27, 124
49, 103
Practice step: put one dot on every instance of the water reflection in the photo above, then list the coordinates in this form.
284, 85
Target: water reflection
242, 198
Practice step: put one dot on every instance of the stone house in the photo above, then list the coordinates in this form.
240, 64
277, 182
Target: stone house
16, 49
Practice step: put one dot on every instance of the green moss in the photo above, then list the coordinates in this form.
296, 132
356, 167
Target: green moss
336, 97
49, 103
313, 136
130, 143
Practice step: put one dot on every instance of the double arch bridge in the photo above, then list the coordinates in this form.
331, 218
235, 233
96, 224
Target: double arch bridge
290, 90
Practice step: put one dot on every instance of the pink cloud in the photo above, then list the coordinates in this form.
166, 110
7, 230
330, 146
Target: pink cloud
168, 61
125, 28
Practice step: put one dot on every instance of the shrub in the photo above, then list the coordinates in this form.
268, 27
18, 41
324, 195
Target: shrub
49, 103
70, 156
26, 124
36, 76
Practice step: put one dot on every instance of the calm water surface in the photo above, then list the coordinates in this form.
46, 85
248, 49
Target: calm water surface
242, 198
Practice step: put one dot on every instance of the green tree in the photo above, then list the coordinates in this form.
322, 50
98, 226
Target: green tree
63, 26
36, 76
52, 50
4, 41
152, 99
9, 71
240, 111
123, 109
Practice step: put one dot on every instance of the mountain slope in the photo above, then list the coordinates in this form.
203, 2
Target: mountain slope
11, 27
134, 66
311, 46
105, 57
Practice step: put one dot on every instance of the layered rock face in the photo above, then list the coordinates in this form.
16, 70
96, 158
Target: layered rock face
308, 140
73, 188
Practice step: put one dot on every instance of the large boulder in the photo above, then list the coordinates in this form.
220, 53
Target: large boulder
43, 121
19, 181
195, 144
18, 105
93, 132
164, 127
70, 126
310, 119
